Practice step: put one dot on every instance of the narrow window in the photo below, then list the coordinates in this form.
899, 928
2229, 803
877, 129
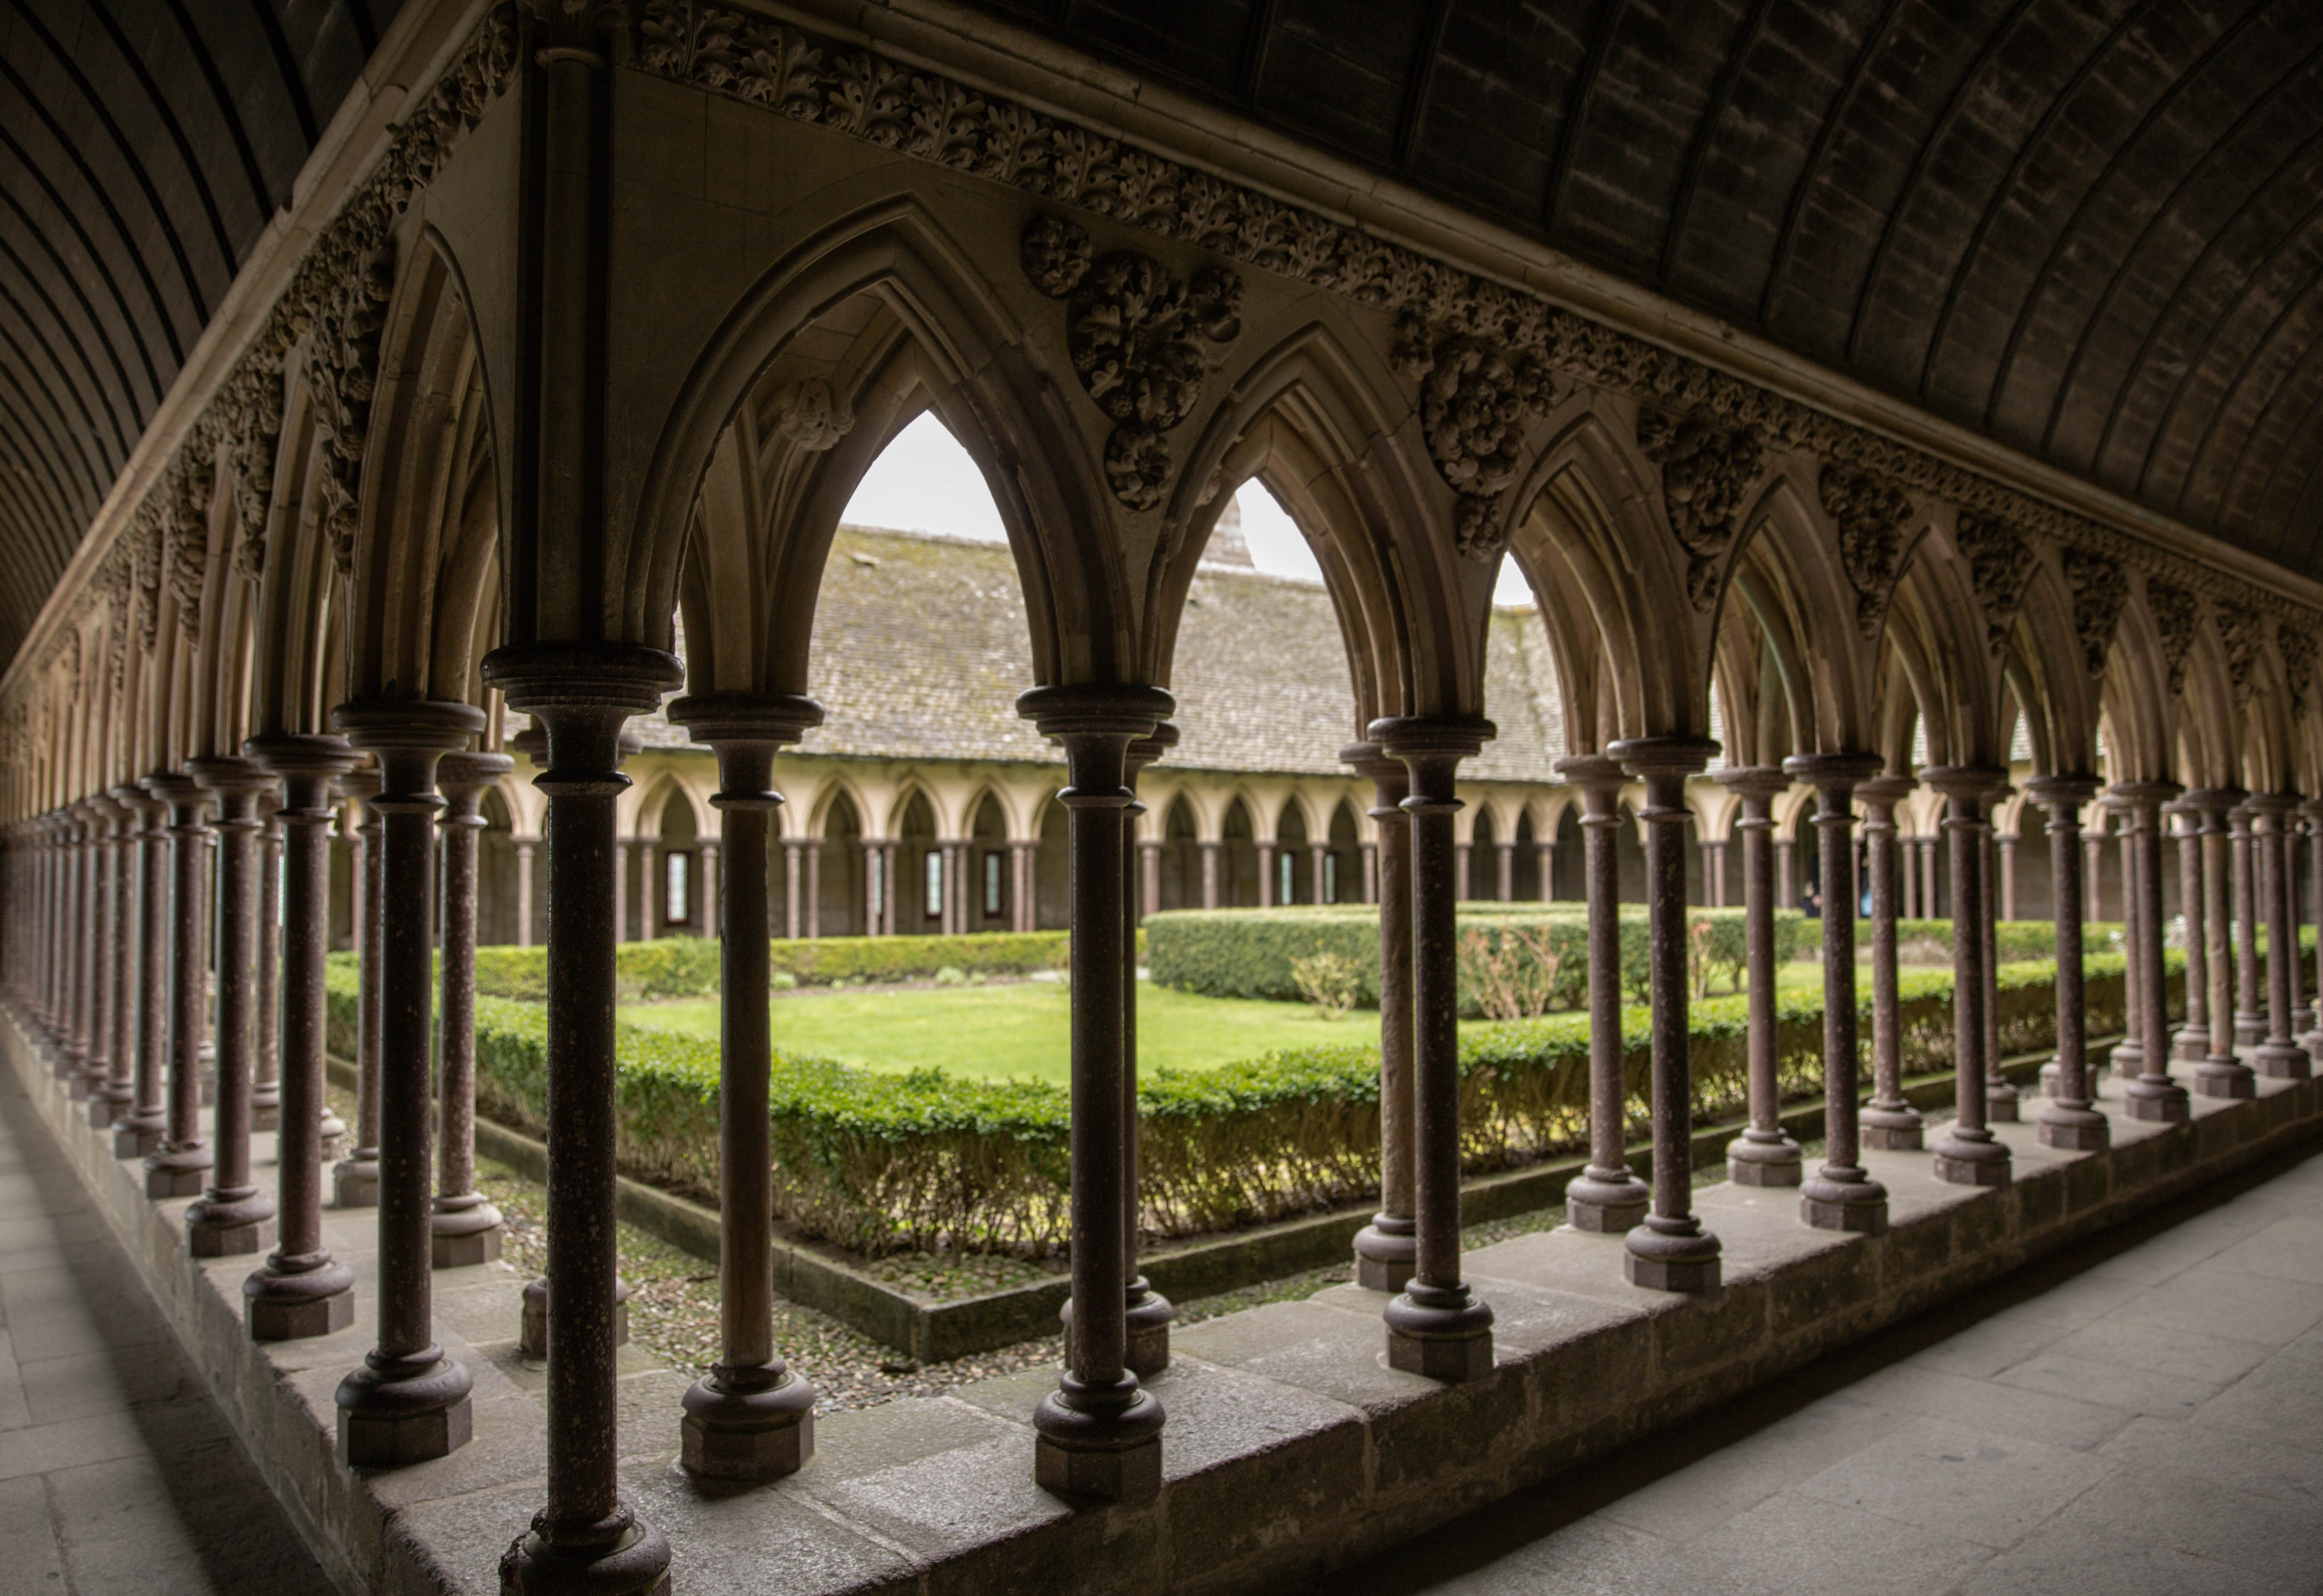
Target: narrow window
676, 910
1282, 871
1330, 878
992, 904
936, 883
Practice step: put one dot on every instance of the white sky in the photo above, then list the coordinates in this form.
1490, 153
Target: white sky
926, 482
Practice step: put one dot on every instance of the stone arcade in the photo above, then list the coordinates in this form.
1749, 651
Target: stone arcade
561, 324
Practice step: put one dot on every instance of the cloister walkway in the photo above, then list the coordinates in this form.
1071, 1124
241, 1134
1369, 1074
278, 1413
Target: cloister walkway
2143, 1418
118, 1473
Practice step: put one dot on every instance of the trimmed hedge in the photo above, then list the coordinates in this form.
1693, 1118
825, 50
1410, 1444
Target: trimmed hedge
687, 966
1248, 952
881, 1163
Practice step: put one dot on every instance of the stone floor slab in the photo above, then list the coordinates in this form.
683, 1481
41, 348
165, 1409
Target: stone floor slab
1978, 1485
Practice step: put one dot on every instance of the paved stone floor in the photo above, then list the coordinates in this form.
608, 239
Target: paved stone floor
117, 1472
2146, 1418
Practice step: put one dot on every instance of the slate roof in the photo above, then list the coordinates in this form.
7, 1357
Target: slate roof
919, 652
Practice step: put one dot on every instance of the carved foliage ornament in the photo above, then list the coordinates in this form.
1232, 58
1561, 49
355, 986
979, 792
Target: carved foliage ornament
1870, 512
1999, 564
2176, 612
809, 416
2239, 634
2099, 586
1705, 471
1141, 342
1475, 404
2296, 643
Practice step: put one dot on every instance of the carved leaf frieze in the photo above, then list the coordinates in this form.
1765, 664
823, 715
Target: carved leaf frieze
2296, 643
2239, 637
2176, 613
2000, 565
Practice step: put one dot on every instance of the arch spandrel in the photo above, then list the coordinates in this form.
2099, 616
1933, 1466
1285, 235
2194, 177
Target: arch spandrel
1788, 571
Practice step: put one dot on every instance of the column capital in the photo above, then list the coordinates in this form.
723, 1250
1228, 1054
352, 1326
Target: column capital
1753, 783
1369, 759
1964, 781
1883, 793
295, 754
2063, 793
1591, 771
1095, 709
1835, 769
1144, 750
136, 800
175, 788
1663, 755
2278, 803
772, 719
2214, 800
463, 777
2144, 796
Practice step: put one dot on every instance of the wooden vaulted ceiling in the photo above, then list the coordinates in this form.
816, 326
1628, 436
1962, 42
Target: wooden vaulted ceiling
144, 145
2091, 229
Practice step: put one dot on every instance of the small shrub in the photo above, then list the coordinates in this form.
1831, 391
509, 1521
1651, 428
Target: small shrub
1329, 982
1509, 972
783, 981
952, 975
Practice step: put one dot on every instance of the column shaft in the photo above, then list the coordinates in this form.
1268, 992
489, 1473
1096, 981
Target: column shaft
1762, 1155
1967, 1154
1387, 1250
234, 1216
1607, 1198
1888, 1121
2068, 1119
179, 1169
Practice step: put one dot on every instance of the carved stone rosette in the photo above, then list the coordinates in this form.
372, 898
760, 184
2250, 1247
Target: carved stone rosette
1141, 342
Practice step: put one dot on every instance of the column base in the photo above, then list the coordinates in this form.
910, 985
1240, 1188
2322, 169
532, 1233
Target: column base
178, 1174
745, 1437
65, 1061
1440, 1333
226, 1224
1147, 1314
619, 1557
2250, 1030
331, 1128
1671, 1256
463, 1236
1606, 1202
354, 1182
2225, 1076
1764, 1158
109, 1107
293, 1299
410, 1411
1110, 1455
1893, 1129
136, 1137
1387, 1254
1999, 1101
532, 1325
79, 1088
2157, 1100
2127, 1060
1971, 1157
1853, 1203
266, 1112
2074, 1128
2190, 1044
2279, 1061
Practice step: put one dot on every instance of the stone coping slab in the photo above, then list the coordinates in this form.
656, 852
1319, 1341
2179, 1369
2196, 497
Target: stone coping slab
1291, 1447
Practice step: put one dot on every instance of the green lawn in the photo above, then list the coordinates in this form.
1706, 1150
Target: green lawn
1014, 1030
1019, 1029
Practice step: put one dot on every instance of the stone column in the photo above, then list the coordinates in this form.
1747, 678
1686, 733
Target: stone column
302, 1291
2191, 1040
524, 847
1436, 1327
1967, 1154
2093, 873
266, 1059
650, 889
1999, 1092
2220, 1074
2250, 1018
1508, 873
1387, 1248
1670, 1251
2313, 809
1786, 879
1762, 1155
2278, 1056
2005, 842
813, 849
1318, 873
1888, 1121
142, 1132
1931, 902
1370, 851
1841, 1196
97, 1060
791, 929
2067, 1119
80, 956
1024, 857
1146, 1313
1607, 1198
118, 1097
236, 1215
585, 1539
2153, 1095
1547, 864
1908, 877
710, 914
620, 889
750, 1420
1266, 875
1148, 858
181, 1166
354, 1180
1099, 1436
463, 1227
408, 1402
2129, 1053
1210, 872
